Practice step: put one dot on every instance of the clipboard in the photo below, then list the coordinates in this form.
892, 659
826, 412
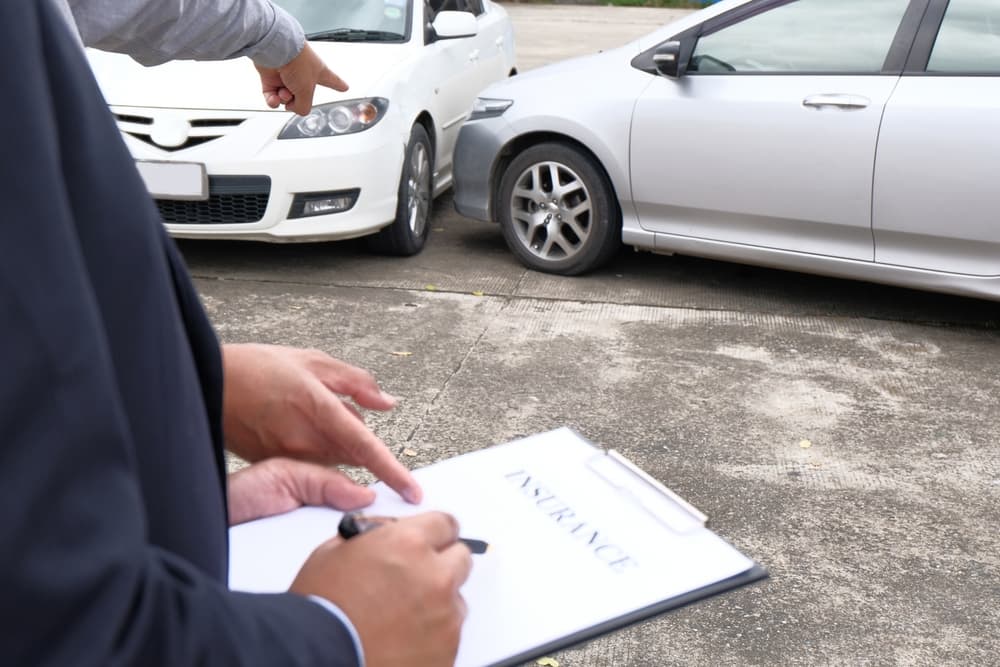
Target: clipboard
582, 543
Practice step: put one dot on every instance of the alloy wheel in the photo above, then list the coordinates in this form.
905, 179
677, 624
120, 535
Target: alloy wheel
418, 189
551, 211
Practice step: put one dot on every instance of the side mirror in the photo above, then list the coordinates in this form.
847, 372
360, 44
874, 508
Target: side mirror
453, 25
667, 58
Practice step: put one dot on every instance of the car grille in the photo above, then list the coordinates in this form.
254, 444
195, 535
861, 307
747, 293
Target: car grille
200, 130
188, 143
231, 200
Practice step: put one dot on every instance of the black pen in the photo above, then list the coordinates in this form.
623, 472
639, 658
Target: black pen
354, 523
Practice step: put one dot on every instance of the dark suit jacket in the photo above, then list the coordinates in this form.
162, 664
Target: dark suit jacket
112, 482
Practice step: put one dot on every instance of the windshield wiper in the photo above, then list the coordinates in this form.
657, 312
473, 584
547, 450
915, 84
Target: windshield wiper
353, 35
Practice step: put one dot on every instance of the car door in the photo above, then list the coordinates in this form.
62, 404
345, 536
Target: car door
768, 139
495, 41
937, 205
454, 66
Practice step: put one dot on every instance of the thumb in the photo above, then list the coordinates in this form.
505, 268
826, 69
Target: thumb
313, 484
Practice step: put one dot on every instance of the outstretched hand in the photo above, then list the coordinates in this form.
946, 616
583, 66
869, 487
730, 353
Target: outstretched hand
293, 84
282, 401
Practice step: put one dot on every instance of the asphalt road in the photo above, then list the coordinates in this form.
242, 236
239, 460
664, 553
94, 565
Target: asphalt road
843, 434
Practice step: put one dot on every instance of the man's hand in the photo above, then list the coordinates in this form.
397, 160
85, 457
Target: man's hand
281, 401
276, 486
399, 585
293, 84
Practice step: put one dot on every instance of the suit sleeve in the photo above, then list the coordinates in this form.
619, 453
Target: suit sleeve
81, 582
155, 31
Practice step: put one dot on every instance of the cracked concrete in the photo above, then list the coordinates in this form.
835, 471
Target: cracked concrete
882, 536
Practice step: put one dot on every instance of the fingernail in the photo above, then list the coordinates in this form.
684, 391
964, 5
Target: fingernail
368, 498
411, 495
389, 398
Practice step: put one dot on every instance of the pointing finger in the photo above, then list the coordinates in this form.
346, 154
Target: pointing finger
330, 80
364, 448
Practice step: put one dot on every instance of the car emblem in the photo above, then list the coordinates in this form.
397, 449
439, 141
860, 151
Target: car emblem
169, 131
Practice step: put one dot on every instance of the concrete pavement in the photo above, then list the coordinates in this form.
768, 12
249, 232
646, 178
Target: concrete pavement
842, 434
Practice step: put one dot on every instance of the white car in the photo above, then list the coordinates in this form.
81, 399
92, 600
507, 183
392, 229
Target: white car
366, 162
852, 138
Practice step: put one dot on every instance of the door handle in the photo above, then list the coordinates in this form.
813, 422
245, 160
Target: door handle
841, 101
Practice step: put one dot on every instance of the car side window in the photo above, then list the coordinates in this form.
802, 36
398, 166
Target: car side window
475, 7
806, 36
969, 38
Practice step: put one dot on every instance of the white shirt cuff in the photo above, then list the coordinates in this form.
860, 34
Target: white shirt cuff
342, 617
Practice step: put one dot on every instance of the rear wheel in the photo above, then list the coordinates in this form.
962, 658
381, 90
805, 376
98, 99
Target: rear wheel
557, 210
408, 232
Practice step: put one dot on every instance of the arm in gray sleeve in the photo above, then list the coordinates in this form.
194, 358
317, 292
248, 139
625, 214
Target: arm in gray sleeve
155, 31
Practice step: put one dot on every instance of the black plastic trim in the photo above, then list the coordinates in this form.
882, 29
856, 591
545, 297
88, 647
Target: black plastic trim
239, 185
688, 38
906, 35
920, 54
231, 200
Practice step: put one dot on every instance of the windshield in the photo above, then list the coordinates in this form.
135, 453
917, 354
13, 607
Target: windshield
351, 20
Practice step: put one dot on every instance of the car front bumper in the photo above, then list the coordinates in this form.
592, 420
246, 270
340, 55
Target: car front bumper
254, 177
477, 154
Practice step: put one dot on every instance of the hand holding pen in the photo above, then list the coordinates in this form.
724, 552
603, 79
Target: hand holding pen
399, 586
353, 524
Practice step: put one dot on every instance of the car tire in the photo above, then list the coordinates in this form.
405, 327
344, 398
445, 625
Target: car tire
558, 211
408, 232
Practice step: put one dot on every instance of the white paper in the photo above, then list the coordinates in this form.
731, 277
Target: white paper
568, 550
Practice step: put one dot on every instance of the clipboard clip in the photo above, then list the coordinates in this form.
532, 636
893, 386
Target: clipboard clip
660, 502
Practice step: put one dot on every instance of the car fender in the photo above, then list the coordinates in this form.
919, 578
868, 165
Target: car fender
608, 144
401, 86
603, 89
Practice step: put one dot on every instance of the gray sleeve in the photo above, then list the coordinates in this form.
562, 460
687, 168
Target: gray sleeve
155, 31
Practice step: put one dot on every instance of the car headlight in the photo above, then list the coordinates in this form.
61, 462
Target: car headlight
488, 107
330, 120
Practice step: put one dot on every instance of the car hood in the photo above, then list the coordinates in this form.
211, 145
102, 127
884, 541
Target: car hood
233, 84
573, 74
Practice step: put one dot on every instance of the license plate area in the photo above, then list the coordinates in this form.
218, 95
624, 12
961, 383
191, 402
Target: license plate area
174, 180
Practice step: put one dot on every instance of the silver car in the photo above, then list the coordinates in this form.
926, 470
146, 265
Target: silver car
852, 138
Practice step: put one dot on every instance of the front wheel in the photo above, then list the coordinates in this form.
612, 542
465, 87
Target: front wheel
408, 232
558, 211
